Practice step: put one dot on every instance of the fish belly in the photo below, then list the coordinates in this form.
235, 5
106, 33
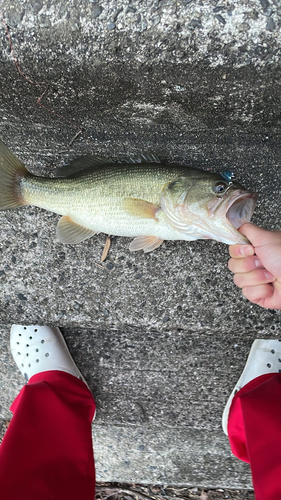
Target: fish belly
120, 224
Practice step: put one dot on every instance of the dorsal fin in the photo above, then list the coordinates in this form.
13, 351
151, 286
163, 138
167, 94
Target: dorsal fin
90, 163
145, 158
82, 164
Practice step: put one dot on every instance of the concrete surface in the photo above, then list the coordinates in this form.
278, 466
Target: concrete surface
162, 337
160, 396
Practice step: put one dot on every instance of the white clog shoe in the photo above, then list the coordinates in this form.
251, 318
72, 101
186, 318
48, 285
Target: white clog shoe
37, 349
264, 357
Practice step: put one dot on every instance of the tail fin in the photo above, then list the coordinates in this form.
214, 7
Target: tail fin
11, 169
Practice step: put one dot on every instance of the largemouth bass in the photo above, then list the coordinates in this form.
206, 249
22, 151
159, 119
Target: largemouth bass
148, 201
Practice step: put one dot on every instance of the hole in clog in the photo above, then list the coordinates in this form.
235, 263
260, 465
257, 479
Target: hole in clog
37, 350
29, 365
27, 354
18, 343
19, 334
37, 360
30, 338
22, 364
47, 354
24, 327
27, 345
42, 341
18, 352
35, 330
268, 365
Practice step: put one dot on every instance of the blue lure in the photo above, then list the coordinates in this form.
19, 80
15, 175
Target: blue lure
227, 175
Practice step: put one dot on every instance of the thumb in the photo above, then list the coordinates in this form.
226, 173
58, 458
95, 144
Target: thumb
258, 236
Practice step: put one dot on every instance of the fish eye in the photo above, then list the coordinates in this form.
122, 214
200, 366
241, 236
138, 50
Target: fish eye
220, 187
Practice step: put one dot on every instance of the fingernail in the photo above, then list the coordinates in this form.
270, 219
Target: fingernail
258, 263
268, 275
246, 250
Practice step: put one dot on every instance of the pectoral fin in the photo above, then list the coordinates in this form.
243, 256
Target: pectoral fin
71, 232
141, 208
145, 243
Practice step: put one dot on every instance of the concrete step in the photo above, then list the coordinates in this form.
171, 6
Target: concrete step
159, 398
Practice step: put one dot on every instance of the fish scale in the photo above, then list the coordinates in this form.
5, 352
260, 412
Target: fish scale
95, 200
149, 201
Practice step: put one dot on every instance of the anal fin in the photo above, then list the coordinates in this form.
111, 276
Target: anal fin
70, 232
145, 243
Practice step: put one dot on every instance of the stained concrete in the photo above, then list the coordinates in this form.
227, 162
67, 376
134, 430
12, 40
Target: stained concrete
162, 337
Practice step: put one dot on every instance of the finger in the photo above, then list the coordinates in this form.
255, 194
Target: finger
258, 236
245, 265
267, 295
258, 293
253, 278
240, 251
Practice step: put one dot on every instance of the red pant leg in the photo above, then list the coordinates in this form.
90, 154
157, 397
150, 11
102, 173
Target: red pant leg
254, 430
47, 451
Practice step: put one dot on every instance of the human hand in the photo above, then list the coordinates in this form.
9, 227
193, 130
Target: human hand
257, 266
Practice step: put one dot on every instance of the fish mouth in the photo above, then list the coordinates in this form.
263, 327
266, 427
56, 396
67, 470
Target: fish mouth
241, 209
